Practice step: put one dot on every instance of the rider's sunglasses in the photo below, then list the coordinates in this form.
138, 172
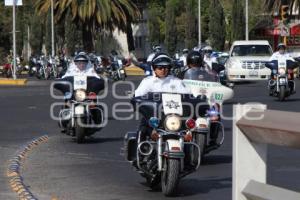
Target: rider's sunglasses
160, 67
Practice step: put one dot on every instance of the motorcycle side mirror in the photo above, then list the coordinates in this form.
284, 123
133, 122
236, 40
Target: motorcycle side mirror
270, 65
217, 67
68, 95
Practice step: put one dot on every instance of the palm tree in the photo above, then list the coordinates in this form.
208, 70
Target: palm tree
92, 15
274, 5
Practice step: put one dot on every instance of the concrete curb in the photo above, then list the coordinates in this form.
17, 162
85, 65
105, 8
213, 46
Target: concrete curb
134, 71
9, 81
16, 181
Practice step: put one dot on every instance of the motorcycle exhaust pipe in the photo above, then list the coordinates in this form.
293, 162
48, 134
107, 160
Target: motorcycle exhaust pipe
145, 148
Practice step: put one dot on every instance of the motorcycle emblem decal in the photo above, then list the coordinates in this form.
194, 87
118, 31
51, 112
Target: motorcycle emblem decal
172, 104
80, 82
200, 76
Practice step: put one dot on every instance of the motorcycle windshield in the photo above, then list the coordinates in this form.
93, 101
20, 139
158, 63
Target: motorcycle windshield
66, 84
200, 75
155, 105
203, 83
287, 63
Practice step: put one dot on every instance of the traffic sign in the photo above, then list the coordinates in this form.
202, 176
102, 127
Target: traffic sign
285, 31
11, 2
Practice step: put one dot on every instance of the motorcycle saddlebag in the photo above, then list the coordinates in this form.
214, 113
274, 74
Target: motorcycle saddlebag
130, 146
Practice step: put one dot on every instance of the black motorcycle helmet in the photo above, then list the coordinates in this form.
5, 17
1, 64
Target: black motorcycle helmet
161, 59
194, 57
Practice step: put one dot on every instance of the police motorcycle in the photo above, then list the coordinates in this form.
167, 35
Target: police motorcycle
82, 115
163, 156
209, 134
43, 70
282, 83
116, 68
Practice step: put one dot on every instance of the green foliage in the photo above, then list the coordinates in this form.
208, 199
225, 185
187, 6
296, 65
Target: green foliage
238, 21
191, 33
217, 30
171, 31
156, 23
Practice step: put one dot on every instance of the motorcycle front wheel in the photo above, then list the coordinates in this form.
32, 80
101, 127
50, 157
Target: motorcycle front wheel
170, 176
79, 131
281, 93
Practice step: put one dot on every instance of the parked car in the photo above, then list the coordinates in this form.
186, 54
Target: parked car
247, 60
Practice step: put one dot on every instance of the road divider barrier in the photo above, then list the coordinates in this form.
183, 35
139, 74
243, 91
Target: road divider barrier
16, 181
250, 140
9, 81
134, 71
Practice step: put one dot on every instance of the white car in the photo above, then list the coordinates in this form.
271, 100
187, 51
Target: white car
247, 60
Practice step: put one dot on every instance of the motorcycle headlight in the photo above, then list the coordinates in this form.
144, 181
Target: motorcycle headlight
281, 71
172, 123
80, 95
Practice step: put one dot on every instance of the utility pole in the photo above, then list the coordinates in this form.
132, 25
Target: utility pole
199, 23
247, 16
52, 30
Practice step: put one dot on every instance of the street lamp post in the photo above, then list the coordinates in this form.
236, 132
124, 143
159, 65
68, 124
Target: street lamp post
199, 23
52, 30
14, 40
247, 16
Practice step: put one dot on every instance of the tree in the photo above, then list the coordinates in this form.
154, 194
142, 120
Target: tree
156, 23
217, 30
191, 28
92, 15
238, 21
171, 34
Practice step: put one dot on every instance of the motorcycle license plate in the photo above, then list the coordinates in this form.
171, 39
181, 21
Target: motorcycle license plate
79, 110
122, 71
282, 81
80, 82
172, 104
253, 73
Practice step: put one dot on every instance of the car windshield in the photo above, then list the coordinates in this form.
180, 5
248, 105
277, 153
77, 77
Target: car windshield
251, 50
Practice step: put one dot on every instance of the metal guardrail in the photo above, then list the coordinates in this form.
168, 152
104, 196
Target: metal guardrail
254, 128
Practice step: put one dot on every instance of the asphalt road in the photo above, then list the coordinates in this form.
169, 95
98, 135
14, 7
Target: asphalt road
96, 170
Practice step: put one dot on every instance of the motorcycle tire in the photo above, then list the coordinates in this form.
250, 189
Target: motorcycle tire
170, 176
281, 94
79, 132
200, 140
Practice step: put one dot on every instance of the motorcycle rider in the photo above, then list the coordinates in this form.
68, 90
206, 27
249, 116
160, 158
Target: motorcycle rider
161, 81
184, 55
207, 56
81, 67
282, 54
194, 60
155, 50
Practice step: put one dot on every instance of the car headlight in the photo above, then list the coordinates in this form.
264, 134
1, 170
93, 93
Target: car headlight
80, 95
235, 64
281, 71
172, 123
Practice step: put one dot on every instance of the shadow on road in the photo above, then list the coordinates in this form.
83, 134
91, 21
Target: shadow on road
94, 140
190, 187
216, 159
291, 99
